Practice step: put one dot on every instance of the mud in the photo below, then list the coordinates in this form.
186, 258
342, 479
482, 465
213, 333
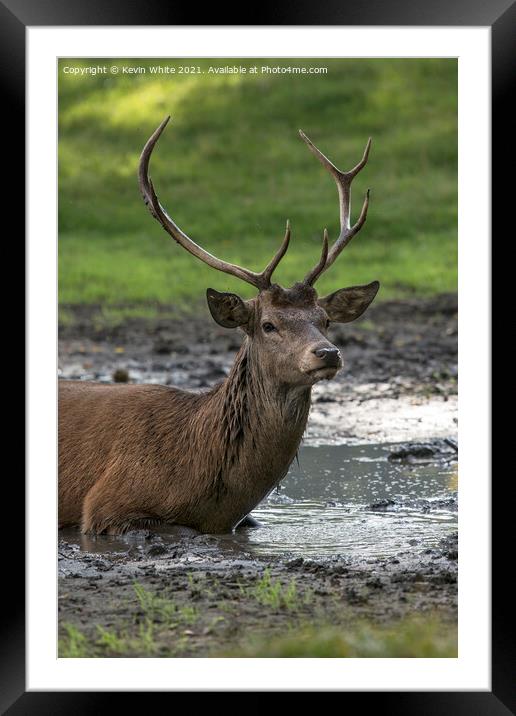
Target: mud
202, 594
209, 602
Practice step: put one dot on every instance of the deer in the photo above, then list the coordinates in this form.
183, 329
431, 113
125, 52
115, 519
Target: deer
133, 456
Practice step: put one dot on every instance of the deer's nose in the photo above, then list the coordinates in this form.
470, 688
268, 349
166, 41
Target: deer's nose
331, 356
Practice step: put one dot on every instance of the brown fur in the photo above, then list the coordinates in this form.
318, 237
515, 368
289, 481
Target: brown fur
137, 455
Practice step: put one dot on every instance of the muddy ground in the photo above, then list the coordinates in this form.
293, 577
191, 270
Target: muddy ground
196, 596
193, 599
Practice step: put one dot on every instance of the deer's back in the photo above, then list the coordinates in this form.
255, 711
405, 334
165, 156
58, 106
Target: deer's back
100, 423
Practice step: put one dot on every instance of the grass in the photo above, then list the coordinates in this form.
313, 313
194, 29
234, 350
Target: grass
155, 615
74, 644
272, 593
157, 608
230, 168
270, 619
409, 638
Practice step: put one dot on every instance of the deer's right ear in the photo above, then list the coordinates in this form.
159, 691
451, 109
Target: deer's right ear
227, 309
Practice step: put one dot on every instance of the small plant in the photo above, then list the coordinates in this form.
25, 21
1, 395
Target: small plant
74, 645
188, 614
160, 609
271, 593
121, 643
111, 641
229, 607
145, 597
156, 616
145, 642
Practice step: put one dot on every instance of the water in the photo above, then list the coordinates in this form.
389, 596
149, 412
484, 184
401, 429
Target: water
324, 505
348, 500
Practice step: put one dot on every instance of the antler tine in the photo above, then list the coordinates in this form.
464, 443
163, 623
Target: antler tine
314, 274
271, 266
259, 280
343, 181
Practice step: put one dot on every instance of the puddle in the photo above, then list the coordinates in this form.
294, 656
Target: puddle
346, 500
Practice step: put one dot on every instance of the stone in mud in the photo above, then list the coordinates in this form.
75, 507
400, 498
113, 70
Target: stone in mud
324, 398
417, 451
135, 553
294, 563
101, 565
433, 450
120, 375
441, 503
156, 549
381, 505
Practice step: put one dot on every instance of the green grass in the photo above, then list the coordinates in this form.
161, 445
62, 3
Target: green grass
231, 169
74, 644
272, 593
163, 610
409, 638
156, 614
157, 623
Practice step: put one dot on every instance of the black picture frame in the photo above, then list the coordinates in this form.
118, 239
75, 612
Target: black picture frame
500, 16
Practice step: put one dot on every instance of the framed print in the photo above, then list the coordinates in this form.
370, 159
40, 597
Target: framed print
256, 485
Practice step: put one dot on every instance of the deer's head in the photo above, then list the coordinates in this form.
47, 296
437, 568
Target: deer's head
287, 327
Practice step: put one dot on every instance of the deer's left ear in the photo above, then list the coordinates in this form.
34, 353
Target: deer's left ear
227, 309
346, 304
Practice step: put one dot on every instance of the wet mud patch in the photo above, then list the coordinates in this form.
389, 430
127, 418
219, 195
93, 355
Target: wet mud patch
193, 601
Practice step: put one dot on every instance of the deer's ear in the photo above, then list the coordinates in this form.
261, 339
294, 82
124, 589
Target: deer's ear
227, 309
346, 304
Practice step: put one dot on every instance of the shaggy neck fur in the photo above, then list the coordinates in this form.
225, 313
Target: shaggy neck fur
253, 429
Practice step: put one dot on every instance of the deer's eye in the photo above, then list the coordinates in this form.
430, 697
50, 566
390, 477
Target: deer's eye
328, 323
268, 327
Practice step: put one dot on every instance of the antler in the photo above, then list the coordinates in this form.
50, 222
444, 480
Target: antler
259, 280
314, 274
343, 181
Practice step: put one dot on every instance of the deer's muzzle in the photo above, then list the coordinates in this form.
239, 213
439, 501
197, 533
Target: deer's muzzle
329, 356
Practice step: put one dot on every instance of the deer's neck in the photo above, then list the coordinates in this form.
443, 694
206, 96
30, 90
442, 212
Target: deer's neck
259, 426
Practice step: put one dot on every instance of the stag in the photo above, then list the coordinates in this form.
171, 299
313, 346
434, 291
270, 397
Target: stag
132, 456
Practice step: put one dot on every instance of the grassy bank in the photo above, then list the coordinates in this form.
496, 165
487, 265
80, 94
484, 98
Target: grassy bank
231, 169
409, 638
156, 625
